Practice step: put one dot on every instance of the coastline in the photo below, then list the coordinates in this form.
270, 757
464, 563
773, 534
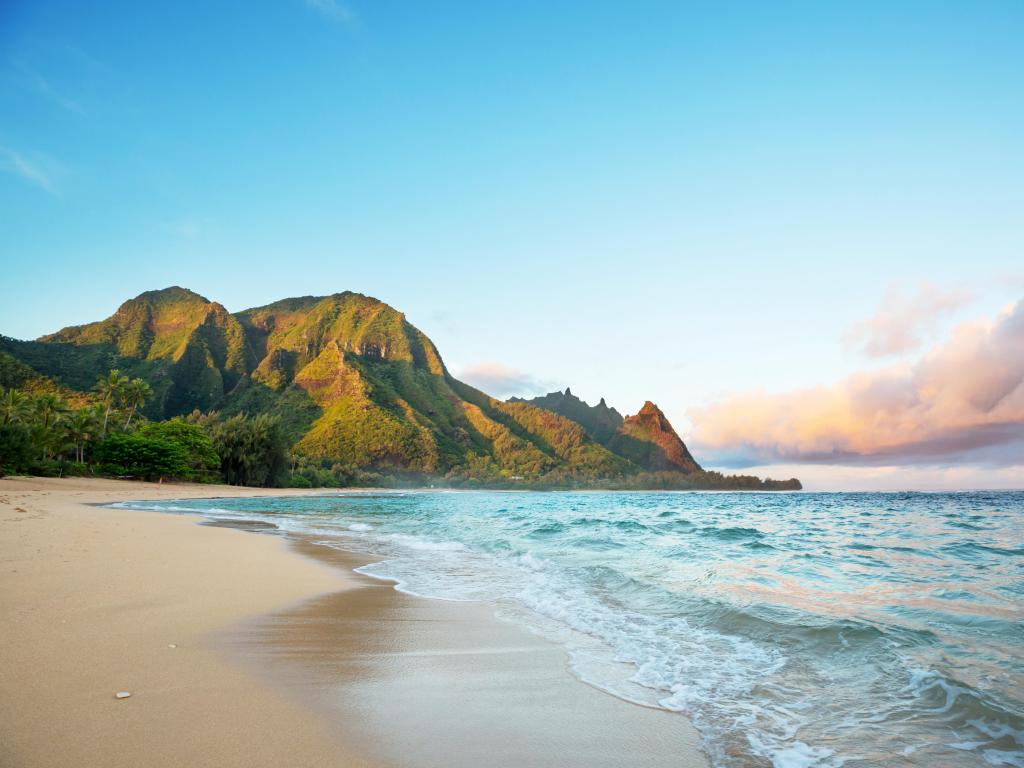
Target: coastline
291, 660
411, 681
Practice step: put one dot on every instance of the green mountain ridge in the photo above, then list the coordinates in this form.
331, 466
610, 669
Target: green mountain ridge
354, 383
646, 439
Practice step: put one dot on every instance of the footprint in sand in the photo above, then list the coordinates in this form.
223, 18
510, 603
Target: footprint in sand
28, 515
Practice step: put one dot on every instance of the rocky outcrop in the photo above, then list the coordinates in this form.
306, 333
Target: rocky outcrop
648, 439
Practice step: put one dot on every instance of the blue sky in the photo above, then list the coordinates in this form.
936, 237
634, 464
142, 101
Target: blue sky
670, 201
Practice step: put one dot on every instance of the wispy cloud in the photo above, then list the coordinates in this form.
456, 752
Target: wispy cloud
333, 10
501, 381
963, 401
34, 81
904, 320
40, 171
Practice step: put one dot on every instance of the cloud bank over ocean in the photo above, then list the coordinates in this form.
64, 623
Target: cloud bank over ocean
962, 401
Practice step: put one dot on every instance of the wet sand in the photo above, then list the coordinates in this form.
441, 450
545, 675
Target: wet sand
431, 683
280, 659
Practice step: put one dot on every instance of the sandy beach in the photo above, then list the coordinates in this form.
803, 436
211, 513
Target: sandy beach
251, 650
94, 599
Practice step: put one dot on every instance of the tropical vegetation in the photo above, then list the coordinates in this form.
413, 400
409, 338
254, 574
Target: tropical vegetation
42, 434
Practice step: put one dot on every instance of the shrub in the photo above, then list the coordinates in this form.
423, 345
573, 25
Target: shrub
201, 457
44, 468
15, 448
140, 456
299, 481
253, 451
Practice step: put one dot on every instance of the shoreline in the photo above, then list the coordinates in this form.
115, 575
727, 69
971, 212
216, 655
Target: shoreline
292, 660
426, 683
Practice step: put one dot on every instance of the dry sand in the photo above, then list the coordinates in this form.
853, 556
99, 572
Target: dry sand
281, 660
92, 599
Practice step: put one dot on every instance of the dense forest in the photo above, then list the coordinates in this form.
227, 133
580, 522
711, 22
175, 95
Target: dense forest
46, 433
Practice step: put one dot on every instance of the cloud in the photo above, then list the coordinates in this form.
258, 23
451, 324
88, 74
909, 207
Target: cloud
41, 172
35, 82
332, 9
903, 322
501, 381
961, 402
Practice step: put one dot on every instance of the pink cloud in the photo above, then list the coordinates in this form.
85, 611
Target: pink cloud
903, 322
963, 400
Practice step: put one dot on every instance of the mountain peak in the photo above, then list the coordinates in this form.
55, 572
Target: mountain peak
647, 439
171, 293
599, 421
663, 447
362, 325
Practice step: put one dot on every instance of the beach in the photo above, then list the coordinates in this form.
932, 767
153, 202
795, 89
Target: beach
252, 650
98, 601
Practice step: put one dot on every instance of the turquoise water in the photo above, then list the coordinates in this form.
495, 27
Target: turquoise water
806, 629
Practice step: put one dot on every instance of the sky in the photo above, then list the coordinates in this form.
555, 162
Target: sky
798, 227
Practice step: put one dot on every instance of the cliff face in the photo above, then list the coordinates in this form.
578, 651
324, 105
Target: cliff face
299, 329
648, 439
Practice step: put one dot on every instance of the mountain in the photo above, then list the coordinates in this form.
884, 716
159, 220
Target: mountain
647, 439
191, 350
354, 384
601, 422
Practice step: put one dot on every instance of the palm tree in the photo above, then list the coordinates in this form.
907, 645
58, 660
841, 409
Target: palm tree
15, 407
49, 410
135, 394
79, 429
110, 389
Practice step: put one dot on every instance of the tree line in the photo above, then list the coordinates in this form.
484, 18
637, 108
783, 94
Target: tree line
42, 433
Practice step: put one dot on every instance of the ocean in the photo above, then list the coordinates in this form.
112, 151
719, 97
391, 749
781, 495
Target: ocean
793, 629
